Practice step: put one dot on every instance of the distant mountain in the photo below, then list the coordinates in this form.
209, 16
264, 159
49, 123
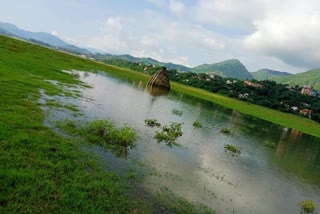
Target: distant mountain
143, 60
311, 77
264, 74
41, 38
229, 68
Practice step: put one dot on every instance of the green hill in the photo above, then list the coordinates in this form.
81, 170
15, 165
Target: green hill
311, 77
264, 74
229, 68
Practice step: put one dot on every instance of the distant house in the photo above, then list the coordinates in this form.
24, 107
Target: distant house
308, 90
243, 96
256, 85
229, 82
306, 112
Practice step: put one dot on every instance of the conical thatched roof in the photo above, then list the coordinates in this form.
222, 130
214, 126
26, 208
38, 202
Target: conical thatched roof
160, 79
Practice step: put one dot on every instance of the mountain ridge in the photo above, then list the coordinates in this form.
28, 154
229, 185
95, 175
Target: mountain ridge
265, 74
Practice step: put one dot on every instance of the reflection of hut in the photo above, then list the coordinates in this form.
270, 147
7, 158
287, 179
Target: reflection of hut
160, 79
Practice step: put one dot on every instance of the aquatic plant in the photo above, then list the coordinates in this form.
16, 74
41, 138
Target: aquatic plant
197, 124
232, 149
152, 122
106, 134
169, 134
177, 112
226, 131
307, 206
270, 144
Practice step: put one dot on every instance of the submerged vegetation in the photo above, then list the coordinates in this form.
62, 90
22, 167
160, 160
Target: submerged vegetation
197, 124
106, 134
226, 131
169, 134
152, 122
307, 206
177, 112
232, 149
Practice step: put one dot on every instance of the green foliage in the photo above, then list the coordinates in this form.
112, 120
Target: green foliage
311, 77
169, 134
270, 144
106, 134
307, 206
177, 112
197, 124
152, 122
232, 149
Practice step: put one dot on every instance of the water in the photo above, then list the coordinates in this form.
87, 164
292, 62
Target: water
259, 180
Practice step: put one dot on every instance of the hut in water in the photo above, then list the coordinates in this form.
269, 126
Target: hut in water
160, 79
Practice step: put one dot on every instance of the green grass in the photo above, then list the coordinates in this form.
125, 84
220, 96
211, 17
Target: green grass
41, 171
284, 119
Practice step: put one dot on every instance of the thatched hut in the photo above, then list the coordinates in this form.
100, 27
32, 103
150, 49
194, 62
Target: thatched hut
160, 79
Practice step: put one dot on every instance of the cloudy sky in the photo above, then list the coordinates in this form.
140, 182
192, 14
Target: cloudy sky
280, 35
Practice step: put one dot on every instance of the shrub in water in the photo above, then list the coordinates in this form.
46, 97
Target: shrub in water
177, 112
197, 124
106, 134
232, 149
152, 122
169, 134
307, 206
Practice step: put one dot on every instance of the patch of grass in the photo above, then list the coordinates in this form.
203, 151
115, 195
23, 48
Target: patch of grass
232, 149
270, 144
177, 112
197, 124
106, 134
152, 122
169, 134
307, 206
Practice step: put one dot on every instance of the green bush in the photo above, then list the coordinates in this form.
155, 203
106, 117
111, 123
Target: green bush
232, 149
152, 122
307, 206
177, 112
169, 134
106, 134
197, 124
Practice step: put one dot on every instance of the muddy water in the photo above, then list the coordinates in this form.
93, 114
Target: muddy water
260, 180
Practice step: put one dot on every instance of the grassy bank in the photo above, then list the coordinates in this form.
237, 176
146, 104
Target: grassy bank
41, 171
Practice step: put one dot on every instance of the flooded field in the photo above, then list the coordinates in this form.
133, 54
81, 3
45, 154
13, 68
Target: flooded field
276, 169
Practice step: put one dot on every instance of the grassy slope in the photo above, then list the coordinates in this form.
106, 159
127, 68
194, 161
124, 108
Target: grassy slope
40, 172
311, 77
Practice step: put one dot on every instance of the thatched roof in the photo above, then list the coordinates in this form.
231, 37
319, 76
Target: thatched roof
160, 79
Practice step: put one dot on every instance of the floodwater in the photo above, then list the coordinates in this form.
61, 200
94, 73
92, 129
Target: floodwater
259, 180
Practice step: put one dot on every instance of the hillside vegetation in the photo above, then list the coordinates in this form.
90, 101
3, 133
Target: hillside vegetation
266, 74
230, 68
311, 77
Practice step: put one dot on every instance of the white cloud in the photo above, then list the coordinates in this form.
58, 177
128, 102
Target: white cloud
289, 35
233, 14
114, 23
176, 6
55, 33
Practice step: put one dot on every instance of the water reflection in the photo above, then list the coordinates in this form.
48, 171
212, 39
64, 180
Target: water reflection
157, 90
259, 180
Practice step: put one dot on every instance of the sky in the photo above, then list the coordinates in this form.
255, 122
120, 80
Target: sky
279, 35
